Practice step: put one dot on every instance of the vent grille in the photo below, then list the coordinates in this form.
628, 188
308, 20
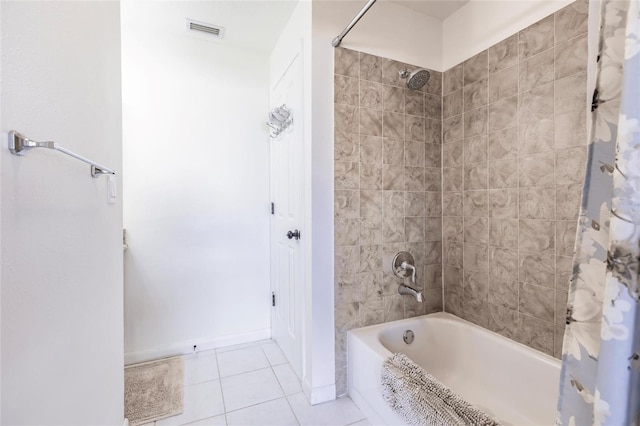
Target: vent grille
213, 30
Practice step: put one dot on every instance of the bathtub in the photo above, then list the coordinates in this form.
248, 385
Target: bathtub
513, 383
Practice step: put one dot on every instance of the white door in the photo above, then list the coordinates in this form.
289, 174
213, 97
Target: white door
287, 179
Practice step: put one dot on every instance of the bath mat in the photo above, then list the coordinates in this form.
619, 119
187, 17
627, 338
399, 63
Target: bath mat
153, 390
420, 399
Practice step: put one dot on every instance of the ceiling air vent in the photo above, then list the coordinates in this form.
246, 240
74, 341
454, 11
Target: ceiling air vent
213, 30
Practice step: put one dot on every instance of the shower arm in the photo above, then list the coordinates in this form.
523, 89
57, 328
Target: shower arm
336, 41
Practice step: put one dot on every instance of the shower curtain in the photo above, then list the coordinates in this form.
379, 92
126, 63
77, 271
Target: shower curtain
600, 378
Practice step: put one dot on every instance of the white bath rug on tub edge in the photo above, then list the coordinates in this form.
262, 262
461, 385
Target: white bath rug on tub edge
153, 390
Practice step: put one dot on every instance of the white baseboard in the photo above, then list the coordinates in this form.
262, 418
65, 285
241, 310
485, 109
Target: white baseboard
320, 394
184, 348
126, 422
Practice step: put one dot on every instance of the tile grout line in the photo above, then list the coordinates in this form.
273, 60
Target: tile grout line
382, 209
359, 143
442, 239
486, 147
295, 416
251, 371
555, 204
516, 326
224, 405
286, 397
284, 394
464, 217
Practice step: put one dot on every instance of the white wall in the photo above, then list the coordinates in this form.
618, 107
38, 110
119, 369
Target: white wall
196, 189
62, 353
480, 24
388, 30
322, 211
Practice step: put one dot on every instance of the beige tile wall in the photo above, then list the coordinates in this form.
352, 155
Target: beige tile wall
514, 148
387, 193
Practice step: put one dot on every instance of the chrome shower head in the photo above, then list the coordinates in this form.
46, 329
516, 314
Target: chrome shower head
415, 79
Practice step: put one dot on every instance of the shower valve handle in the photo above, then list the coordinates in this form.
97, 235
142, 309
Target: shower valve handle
406, 265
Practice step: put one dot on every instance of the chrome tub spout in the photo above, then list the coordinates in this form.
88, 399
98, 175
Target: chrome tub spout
405, 289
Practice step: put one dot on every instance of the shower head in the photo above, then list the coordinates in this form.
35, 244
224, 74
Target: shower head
415, 79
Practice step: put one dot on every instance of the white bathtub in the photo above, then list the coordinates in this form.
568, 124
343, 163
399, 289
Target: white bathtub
513, 383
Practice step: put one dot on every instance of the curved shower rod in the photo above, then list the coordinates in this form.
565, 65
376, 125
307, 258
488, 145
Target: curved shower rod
336, 41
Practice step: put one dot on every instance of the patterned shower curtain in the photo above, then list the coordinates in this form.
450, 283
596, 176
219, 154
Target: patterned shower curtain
600, 378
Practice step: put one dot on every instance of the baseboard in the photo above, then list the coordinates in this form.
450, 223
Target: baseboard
126, 422
320, 394
185, 348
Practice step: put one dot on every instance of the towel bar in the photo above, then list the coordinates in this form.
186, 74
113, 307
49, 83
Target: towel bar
19, 144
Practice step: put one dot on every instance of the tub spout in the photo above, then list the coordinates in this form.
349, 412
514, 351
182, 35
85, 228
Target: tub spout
405, 289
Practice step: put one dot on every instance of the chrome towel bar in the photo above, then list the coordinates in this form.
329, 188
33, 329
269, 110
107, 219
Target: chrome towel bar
19, 144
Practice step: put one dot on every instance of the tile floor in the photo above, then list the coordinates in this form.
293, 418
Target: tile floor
252, 384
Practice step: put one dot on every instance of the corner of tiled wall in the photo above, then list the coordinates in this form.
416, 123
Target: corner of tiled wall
387, 193
514, 151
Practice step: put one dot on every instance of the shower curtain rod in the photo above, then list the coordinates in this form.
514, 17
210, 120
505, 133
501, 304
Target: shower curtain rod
336, 41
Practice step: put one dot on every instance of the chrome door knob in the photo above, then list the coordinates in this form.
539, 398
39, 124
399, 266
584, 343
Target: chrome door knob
293, 234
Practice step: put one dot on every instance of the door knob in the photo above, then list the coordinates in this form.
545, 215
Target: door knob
293, 234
